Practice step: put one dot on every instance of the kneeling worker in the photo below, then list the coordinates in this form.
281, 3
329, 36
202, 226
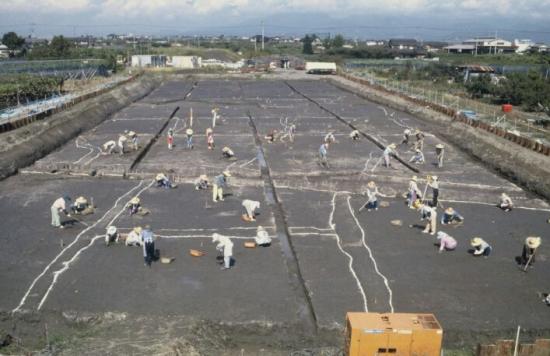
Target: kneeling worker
108, 147
262, 237
446, 242
505, 202
354, 135
134, 237
163, 181
111, 235
201, 183
451, 216
481, 248
250, 207
82, 207
227, 152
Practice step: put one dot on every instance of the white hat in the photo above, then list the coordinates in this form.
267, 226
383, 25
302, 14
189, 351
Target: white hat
135, 200
81, 200
533, 241
111, 230
392, 145
137, 229
439, 145
226, 173
189, 131
440, 235
215, 237
407, 131
449, 211
160, 176
203, 177
435, 177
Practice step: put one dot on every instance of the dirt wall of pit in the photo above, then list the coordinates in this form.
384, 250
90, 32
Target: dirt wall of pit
522, 166
22, 147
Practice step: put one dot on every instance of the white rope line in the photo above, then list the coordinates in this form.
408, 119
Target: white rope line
313, 233
247, 163
25, 296
208, 236
363, 236
350, 264
87, 146
491, 204
66, 264
205, 229
291, 228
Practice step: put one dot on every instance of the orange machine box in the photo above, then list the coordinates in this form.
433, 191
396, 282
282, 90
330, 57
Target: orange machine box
369, 334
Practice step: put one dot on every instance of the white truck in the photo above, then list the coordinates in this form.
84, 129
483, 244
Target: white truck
320, 68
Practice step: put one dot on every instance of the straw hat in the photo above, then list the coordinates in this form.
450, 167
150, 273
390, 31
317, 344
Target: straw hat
131, 133
392, 145
225, 149
226, 173
208, 131
135, 200
533, 241
407, 132
159, 176
417, 204
417, 150
414, 178
440, 146
189, 131
476, 241
81, 200
137, 229
371, 184
449, 211
203, 177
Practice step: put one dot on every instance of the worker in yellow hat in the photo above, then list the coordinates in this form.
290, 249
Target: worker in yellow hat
481, 247
530, 247
134, 205
427, 213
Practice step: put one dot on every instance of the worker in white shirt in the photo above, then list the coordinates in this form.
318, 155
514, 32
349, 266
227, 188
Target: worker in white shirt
430, 214
111, 235
481, 248
354, 135
225, 246
134, 237
250, 207
122, 143
58, 206
262, 237
108, 147
388, 151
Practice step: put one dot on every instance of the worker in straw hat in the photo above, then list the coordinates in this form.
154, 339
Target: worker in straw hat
413, 193
451, 216
388, 151
228, 153
372, 194
440, 152
133, 136
329, 138
201, 183
433, 182
225, 246
122, 139
505, 202
81, 206
220, 182
134, 237
163, 181
530, 246
481, 247
427, 213
189, 133
134, 205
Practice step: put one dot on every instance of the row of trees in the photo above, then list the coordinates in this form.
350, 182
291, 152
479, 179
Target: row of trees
336, 42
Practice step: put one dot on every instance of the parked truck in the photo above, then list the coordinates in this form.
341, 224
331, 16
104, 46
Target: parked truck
320, 68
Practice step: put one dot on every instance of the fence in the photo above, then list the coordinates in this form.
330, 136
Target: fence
454, 107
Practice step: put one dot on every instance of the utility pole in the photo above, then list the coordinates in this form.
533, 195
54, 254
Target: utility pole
263, 35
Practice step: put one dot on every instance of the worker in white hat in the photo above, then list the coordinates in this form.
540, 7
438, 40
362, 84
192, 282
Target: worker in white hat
201, 183
81, 206
427, 213
413, 193
372, 194
134, 237
262, 237
451, 216
481, 248
406, 136
388, 151
440, 153
108, 147
446, 242
530, 247
111, 235
225, 246
189, 134
59, 206
433, 182
418, 157
227, 152
122, 139
323, 155
163, 181
250, 207
220, 182
354, 135
132, 135
505, 202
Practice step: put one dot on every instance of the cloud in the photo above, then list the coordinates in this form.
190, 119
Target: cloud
14, 6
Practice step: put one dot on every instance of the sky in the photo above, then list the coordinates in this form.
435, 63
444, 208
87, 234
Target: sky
422, 19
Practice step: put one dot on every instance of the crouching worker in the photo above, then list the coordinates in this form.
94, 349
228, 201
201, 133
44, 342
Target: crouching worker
446, 242
481, 248
262, 237
505, 202
163, 181
201, 183
228, 153
111, 235
270, 137
372, 194
225, 246
250, 207
81, 206
148, 246
134, 207
354, 135
59, 206
134, 237
108, 147
428, 213
451, 216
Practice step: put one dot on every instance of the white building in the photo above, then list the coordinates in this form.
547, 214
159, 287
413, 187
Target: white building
523, 45
185, 62
490, 45
4, 51
148, 60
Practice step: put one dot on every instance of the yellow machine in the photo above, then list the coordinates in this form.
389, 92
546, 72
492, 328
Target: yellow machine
369, 334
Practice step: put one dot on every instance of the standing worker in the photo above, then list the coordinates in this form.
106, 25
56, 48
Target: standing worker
148, 245
530, 247
121, 143
390, 150
210, 138
58, 206
406, 136
224, 245
220, 182
446, 242
134, 138
413, 193
214, 116
440, 152
189, 133
170, 139
481, 248
329, 138
433, 182
323, 151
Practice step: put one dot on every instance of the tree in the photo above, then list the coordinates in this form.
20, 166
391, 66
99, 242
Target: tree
12, 41
338, 41
308, 48
479, 86
60, 46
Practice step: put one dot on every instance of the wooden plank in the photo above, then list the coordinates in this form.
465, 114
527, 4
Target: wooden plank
526, 349
486, 350
505, 347
542, 347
